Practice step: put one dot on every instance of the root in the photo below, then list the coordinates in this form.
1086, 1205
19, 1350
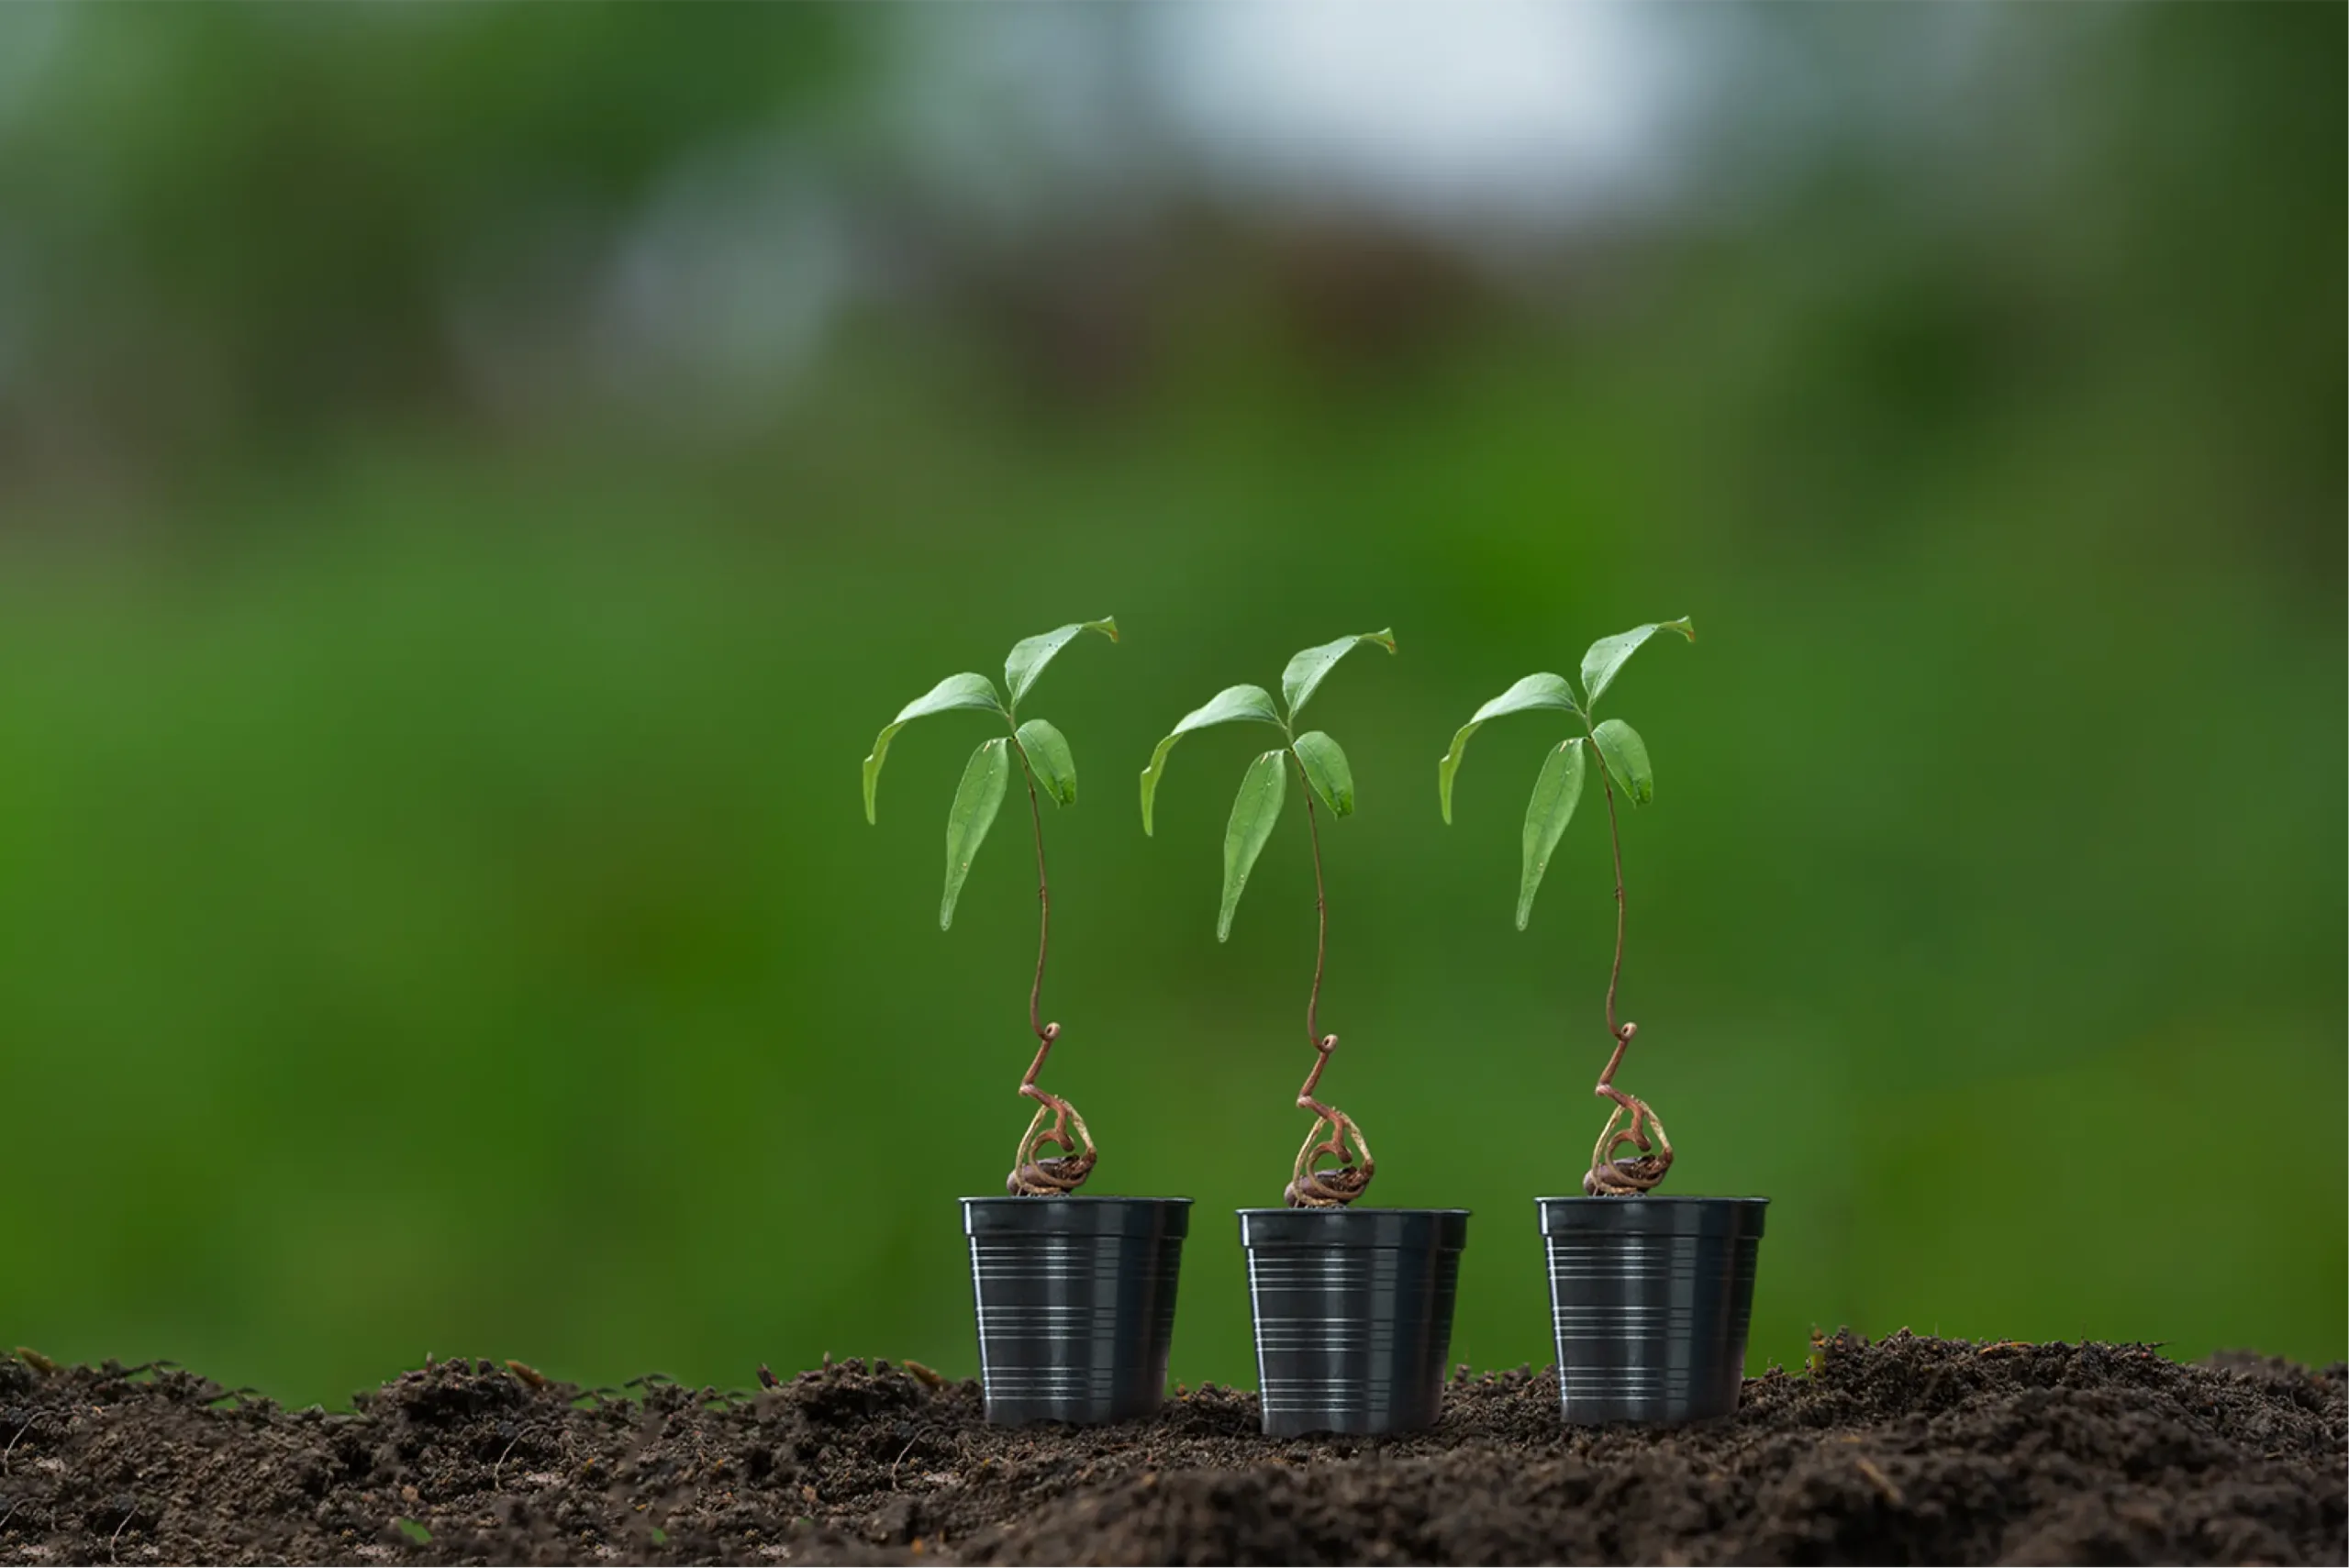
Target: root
1058, 1174
1609, 1174
1034, 1173
1348, 1180
1341, 1185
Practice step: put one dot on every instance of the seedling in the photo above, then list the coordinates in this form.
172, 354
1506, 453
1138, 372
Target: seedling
1263, 790
1043, 757
1624, 759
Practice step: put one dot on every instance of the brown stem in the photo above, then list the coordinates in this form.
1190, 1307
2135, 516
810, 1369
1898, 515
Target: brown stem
1044, 914
1308, 1187
1304, 1100
1615, 976
1322, 935
1032, 1176
1610, 1176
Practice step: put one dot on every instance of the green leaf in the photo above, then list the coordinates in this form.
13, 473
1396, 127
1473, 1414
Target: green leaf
1627, 759
1262, 790
955, 691
1227, 707
1556, 795
976, 800
1533, 691
1607, 654
1327, 769
1049, 759
1030, 654
1305, 671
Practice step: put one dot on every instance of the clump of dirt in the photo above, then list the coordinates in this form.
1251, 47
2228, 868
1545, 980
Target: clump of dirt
1908, 1449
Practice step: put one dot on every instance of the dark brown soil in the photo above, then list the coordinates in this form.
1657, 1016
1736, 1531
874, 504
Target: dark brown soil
1909, 1450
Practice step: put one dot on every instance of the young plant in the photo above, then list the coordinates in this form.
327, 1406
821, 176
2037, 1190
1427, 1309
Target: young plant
1043, 757
1263, 789
1623, 757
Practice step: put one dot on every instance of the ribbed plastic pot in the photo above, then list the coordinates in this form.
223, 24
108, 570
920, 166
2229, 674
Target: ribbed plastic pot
1650, 1298
1076, 1302
1354, 1315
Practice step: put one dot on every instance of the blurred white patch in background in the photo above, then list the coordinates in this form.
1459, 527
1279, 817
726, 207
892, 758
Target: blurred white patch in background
1007, 138
1460, 116
1030, 166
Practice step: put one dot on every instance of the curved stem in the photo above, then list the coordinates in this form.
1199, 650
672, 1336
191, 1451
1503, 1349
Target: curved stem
1031, 1176
1044, 910
1334, 1188
1614, 975
1610, 1176
1321, 939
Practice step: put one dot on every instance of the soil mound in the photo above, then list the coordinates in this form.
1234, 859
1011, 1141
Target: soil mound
1906, 1451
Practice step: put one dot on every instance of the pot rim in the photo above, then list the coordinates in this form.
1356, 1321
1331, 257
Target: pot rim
1679, 1214
1076, 1215
1072, 1197
1356, 1209
1659, 1198
1445, 1230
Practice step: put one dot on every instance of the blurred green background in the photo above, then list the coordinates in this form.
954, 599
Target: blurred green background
472, 482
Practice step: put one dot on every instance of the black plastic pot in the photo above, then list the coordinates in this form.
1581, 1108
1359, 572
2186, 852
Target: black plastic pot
1650, 1298
1076, 1303
1354, 1315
